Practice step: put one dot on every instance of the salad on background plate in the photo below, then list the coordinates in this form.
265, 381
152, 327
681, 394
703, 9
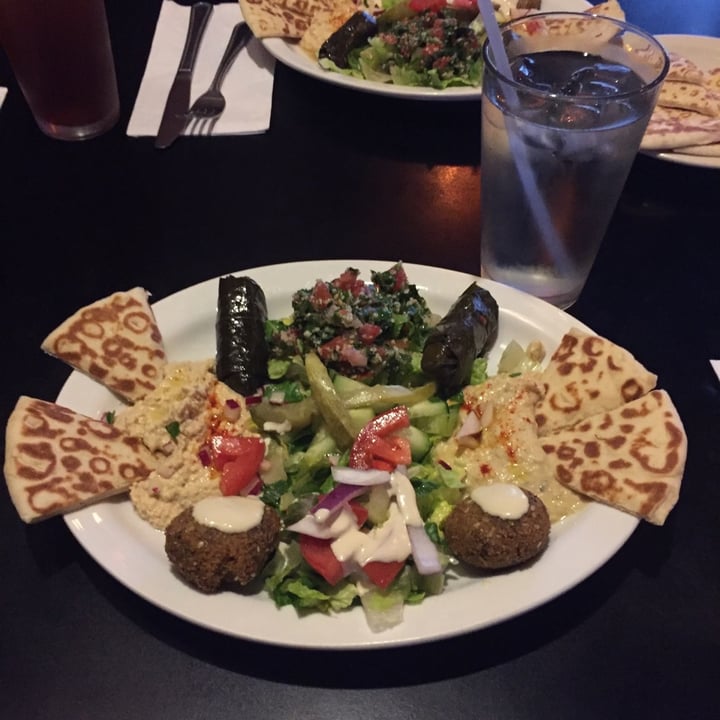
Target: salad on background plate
418, 49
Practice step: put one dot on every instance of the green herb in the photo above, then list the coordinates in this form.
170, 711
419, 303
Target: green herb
173, 429
110, 417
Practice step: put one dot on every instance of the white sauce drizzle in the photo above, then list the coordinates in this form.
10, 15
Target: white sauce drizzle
385, 543
229, 514
388, 542
502, 500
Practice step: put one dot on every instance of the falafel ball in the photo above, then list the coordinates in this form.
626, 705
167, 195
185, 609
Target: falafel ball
490, 542
211, 560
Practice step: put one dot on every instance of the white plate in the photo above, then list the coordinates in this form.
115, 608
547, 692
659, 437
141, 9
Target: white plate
133, 552
289, 53
705, 52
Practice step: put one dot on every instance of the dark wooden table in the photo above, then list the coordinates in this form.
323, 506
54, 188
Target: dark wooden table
349, 175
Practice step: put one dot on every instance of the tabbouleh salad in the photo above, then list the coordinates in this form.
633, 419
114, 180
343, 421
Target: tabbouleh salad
427, 43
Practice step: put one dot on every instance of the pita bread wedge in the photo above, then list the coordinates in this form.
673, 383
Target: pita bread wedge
689, 96
631, 458
281, 18
673, 128
684, 70
588, 374
609, 9
712, 79
57, 460
116, 341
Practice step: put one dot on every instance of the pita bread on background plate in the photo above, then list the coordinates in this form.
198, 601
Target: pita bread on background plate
671, 128
683, 69
281, 18
688, 108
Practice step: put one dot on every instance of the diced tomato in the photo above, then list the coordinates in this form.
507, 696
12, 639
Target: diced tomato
383, 573
319, 556
348, 280
332, 348
392, 449
235, 477
389, 421
360, 512
320, 296
372, 446
532, 26
368, 332
238, 460
420, 6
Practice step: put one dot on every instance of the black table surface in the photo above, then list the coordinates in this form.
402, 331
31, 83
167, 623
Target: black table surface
342, 174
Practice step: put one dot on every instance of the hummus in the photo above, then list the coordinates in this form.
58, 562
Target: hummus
506, 448
174, 422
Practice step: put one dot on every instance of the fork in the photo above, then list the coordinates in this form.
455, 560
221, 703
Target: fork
206, 110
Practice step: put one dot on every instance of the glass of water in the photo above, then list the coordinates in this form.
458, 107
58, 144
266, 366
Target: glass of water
559, 137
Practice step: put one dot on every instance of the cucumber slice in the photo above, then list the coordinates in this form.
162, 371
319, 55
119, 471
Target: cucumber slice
360, 417
427, 408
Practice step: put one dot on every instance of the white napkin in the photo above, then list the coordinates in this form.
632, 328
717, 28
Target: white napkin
716, 367
247, 88
3, 93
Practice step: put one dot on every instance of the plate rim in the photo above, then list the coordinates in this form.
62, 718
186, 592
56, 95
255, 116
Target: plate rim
93, 526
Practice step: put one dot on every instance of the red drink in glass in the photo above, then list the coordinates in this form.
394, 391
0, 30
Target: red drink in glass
62, 59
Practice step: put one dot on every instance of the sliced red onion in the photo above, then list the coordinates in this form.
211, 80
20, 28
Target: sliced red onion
205, 456
277, 397
253, 399
353, 476
232, 410
425, 554
471, 426
253, 487
339, 495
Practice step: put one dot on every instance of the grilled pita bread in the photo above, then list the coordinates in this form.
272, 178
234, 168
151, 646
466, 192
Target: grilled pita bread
687, 114
281, 18
609, 9
684, 70
57, 460
689, 96
631, 458
671, 128
116, 341
588, 374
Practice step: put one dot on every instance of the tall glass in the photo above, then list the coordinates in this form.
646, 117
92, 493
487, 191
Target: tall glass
558, 140
61, 56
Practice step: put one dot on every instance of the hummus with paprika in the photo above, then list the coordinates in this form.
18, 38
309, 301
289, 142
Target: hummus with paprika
500, 443
175, 422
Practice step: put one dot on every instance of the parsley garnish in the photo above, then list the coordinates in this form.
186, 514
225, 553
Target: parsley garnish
173, 429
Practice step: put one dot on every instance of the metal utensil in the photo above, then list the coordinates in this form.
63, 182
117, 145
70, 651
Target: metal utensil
178, 101
206, 110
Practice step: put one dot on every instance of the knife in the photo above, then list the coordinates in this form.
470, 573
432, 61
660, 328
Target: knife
178, 100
